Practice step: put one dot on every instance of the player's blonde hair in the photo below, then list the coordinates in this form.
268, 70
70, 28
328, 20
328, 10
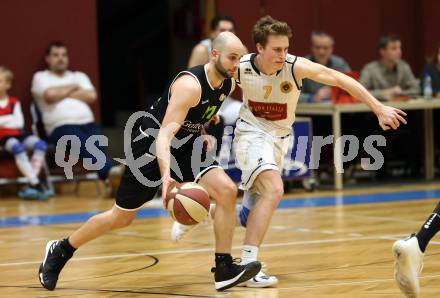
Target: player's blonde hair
9, 76
268, 26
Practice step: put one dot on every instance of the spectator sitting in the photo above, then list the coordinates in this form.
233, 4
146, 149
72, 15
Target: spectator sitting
322, 53
63, 97
202, 51
433, 70
390, 77
16, 142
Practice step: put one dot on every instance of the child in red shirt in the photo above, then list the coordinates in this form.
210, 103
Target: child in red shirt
16, 142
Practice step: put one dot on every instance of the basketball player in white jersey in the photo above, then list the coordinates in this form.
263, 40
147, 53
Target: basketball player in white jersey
271, 84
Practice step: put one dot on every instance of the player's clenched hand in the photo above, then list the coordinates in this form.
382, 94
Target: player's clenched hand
215, 119
390, 117
208, 142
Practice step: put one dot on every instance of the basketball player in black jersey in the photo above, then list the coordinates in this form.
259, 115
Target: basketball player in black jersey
190, 101
408, 255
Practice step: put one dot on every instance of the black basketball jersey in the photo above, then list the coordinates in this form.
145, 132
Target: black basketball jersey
209, 103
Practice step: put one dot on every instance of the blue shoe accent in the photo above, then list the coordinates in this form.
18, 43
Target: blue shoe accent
49, 193
30, 193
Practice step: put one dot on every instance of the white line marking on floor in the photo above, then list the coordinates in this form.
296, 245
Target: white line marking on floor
345, 214
127, 233
302, 230
337, 284
39, 239
186, 251
328, 232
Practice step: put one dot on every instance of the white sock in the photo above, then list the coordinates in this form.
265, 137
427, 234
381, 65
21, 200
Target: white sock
25, 168
37, 161
249, 253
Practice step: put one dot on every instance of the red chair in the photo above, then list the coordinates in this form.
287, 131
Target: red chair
340, 96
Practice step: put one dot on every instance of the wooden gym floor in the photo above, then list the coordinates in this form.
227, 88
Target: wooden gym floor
323, 244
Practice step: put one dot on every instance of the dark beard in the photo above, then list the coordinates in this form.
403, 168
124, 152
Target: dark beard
221, 70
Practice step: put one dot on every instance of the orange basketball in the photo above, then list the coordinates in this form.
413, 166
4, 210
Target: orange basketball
188, 203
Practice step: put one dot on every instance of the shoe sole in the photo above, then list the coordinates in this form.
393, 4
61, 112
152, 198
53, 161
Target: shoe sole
252, 283
247, 274
405, 285
40, 270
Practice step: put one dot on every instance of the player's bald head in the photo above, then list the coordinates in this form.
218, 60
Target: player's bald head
227, 50
227, 41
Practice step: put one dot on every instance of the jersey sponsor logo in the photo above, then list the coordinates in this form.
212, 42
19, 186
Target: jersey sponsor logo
192, 127
205, 101
268, 110
286, 87
222, 97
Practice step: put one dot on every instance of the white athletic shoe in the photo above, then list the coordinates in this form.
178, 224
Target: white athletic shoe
178, 231
408, 265
261, 280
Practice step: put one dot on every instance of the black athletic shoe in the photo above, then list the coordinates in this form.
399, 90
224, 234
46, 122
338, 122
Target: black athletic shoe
54, 260
228, 274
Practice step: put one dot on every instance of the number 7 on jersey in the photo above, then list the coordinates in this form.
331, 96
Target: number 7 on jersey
267, 91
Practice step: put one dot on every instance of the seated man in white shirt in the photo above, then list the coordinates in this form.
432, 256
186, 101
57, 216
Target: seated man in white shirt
63, 97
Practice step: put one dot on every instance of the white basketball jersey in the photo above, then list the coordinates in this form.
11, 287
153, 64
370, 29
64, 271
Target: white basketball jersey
269, 102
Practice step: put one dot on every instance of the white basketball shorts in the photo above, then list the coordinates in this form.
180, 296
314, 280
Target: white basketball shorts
257, 151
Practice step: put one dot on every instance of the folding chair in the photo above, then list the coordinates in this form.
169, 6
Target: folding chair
53, 172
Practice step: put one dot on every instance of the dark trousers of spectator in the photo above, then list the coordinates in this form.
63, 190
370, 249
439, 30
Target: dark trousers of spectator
83, 132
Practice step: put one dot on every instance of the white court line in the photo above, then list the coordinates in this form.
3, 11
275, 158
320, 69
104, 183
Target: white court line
332, 214
127, 233
186, 251
328, 232
352, 283
303, 230
39, 239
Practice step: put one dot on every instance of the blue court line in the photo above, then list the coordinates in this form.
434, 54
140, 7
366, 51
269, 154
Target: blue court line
285, 204
360, 199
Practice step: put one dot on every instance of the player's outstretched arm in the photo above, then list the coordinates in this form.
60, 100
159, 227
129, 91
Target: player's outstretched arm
388, 117
185, 93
